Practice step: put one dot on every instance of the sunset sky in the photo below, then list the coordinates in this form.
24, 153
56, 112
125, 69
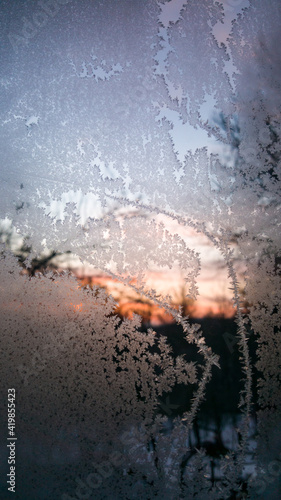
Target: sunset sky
213, 283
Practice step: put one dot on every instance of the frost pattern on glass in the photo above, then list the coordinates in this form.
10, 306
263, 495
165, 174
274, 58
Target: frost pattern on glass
119, 119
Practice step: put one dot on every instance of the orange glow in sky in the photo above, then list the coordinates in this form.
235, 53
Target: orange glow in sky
130, 302
214, 293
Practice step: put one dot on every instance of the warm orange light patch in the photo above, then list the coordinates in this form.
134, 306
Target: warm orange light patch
77, 307
203, 308
150, 313
129, 303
